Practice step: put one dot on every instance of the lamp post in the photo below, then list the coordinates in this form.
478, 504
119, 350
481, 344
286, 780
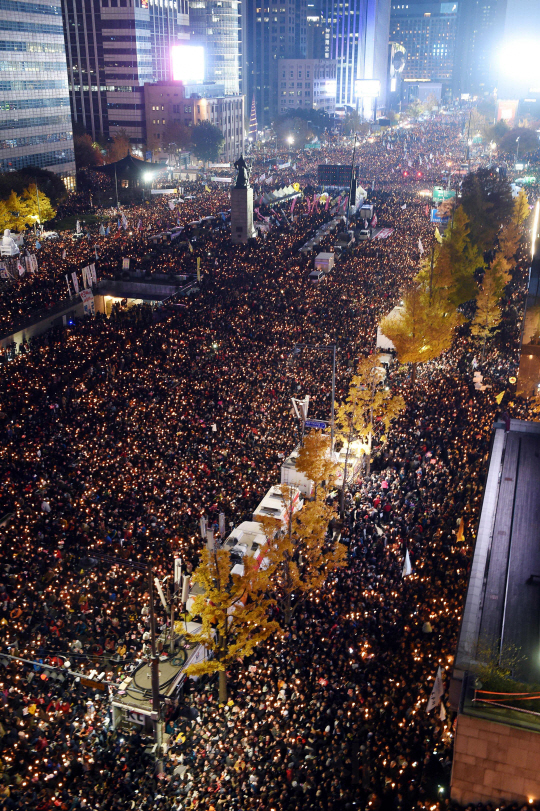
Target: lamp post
148, 177
156, 707
290, 141
517, 148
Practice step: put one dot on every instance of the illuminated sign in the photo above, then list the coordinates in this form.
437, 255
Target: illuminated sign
367, 88
187, 63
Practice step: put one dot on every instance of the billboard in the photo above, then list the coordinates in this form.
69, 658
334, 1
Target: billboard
187, 63
367, 88
332, 174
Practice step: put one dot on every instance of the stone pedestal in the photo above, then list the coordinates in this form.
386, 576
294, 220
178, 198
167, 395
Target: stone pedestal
242, 215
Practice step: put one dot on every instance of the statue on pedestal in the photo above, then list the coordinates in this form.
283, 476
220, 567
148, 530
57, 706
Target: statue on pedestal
9, 246
242, 179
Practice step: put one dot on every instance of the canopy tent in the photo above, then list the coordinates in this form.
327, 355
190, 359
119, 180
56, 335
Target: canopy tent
128, 168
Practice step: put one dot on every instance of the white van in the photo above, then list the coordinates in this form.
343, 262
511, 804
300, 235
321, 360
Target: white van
316, 276
273, 504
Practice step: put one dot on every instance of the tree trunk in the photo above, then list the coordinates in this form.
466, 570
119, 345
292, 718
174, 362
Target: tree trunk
222, 687
287, 609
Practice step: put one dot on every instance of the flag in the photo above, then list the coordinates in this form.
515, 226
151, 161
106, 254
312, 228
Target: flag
427, 210
374, 221
438, 236
293, 203
420, 246
93, 272
171, 205
102, 230
96, 253
437, 692
69, 288
404, 206
75, 282
139, 224
78, 228
124, 222
206, 188
190, 246
38, 244
20, 269
442, 713
499, 397
107, 230
407, 568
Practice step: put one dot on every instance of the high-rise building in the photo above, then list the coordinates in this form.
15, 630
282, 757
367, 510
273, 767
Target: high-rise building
479, 34
35, 123
357, 32
274, 31
215, 24
427, 30
114, 47
307, 83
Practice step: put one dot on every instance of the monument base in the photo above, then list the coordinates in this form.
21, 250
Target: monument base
242, 215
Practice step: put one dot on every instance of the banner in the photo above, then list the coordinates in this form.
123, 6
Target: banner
221, 180
69, 288
284, 165
125, 263
384, 233
75, 282
162, 191
87, 298
171, 204
93, 272
4, 272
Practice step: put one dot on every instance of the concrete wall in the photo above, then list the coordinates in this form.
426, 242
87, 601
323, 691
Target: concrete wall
494, 762
71, 310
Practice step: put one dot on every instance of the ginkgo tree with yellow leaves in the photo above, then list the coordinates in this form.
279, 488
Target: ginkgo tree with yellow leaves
301, 554
368, 407
233, 610
423, 328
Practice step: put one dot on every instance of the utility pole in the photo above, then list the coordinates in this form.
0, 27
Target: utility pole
352, 181
154, 662
332, 348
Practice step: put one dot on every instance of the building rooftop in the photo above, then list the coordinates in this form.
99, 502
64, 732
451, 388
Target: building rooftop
501, 620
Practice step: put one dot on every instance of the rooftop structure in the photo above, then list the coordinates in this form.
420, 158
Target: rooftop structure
499, 632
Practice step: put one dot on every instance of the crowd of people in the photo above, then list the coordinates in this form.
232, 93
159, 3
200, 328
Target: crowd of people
118, 434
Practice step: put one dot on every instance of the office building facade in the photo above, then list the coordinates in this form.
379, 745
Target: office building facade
114, 47
307, 83
275, 31
427, 31
172, 103
357, 34
215, 24
479, 35
35, 121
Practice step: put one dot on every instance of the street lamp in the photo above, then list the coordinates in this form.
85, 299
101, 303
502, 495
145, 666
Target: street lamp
517, 148
290, 141
147, 177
